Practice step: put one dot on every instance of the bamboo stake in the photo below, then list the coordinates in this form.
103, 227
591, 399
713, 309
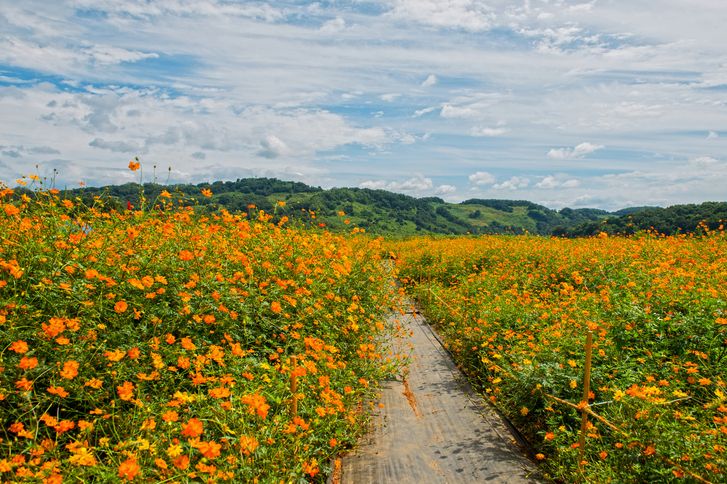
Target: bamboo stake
586, 394
293, 386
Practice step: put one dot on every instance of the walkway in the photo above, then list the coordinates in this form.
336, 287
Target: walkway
433, 428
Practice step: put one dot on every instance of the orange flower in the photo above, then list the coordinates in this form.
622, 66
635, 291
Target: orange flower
311, 468
11, 210
120, 307
28, 363
126, 391
276, 307
24, 384
116, 355
134, 165
129, 469
19, 347
170, 416
70, 370
219, 392
181, 462
60, 391
188, 345
193, 428
94, 383
206, 192
209, 449
248, 444
257, 405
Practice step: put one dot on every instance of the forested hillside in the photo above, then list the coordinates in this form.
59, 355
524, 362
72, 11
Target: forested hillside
384, 212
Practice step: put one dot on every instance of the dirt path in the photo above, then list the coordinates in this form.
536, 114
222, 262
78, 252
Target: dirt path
433, 428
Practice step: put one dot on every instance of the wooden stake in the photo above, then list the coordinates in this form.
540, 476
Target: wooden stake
586, 394
293, 386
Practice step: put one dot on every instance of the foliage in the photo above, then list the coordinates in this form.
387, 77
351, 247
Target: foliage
669, 221
386, 213
156, 343
515, 312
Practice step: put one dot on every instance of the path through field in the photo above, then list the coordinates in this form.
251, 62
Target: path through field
433, 428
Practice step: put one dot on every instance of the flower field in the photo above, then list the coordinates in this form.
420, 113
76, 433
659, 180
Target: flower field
158, 344
515, 312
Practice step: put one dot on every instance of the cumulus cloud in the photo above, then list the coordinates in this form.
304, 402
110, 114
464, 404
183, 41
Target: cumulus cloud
421, 112
43, 150
445, 189
117, 146
489, 132
54, 57
418, 183
551, 182
704, 162
514, 183
430, 81
449, 111
333, 26
578, 152
390, 97
470, 15
187, 8
272, 147
482, 178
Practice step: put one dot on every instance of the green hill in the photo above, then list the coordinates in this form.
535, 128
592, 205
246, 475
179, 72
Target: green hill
387, 213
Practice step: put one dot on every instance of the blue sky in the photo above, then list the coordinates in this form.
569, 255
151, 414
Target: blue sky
604, 103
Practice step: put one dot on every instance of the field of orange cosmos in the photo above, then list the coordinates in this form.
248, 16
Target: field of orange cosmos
515, 312
156, 344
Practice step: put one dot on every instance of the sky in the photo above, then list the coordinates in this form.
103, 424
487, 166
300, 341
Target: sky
568, 103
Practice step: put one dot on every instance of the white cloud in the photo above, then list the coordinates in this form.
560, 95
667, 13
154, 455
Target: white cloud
445, 189
449, 111
391, 97
421, 112
53, 57
333, 26
229, 74
430, 81
482, 178
189, 8
551, 182
472, 15
489, 132
514, 183
272, 147
119, 146
704, 162
418, 183
578, 152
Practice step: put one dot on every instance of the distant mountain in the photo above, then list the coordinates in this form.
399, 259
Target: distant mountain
384, 212
669, 221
